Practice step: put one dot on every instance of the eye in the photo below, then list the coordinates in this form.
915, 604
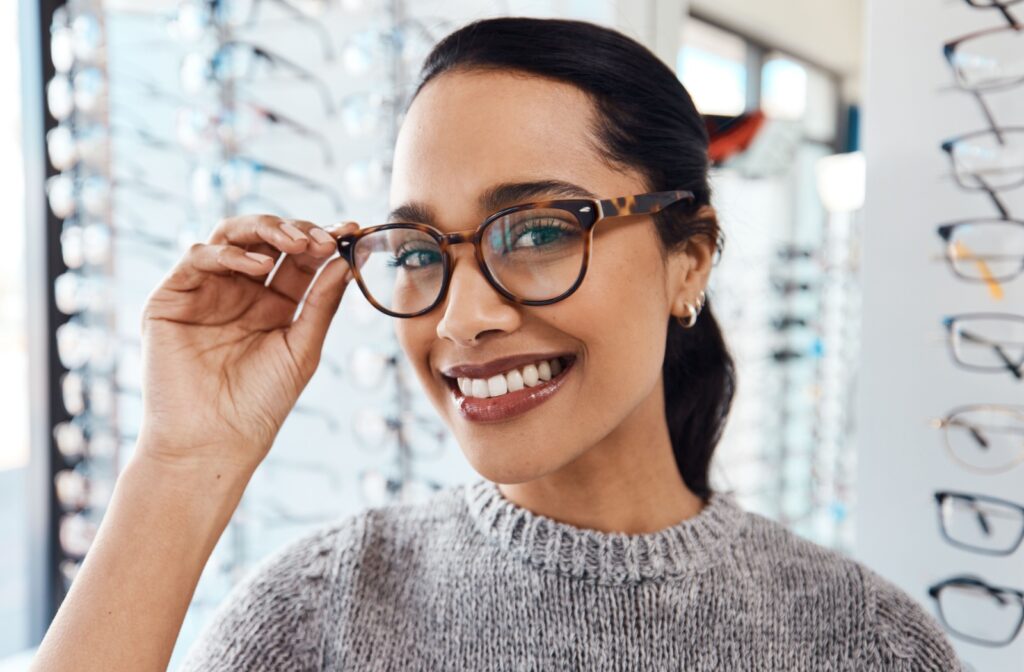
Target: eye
534, 234
409, 257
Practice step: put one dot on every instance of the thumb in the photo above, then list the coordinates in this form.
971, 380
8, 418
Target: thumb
307, 333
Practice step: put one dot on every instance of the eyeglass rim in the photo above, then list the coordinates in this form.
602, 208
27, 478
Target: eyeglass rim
946, 422
586, 211
950, 48
941, 496
946, 232
970, 579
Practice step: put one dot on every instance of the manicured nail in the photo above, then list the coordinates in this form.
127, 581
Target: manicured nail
256, 256
293, 231
321, 236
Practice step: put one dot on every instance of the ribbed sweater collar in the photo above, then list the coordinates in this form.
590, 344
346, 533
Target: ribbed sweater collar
611, 558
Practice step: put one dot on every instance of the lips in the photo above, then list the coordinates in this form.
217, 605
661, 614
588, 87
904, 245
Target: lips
510, 404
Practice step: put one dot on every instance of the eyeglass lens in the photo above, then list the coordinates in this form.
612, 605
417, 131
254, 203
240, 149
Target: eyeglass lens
990, 60
983, 524
989, 343
980, 612
987, 249
987, 438
990, 160
535, 255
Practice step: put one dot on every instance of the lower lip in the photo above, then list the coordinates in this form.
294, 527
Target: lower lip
510, 404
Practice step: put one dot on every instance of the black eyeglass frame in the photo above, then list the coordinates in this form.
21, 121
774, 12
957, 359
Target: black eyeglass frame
948, 230
997, 593
942, 495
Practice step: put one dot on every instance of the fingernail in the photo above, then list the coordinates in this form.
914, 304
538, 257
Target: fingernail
257, 256
321, 236
293, 231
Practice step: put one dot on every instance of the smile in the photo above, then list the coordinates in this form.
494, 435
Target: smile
509, 393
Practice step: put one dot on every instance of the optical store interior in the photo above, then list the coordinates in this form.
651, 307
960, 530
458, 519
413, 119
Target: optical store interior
867, 170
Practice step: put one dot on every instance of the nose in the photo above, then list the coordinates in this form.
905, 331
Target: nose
473, 307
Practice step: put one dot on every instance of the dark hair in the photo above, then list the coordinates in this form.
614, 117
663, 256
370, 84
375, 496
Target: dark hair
647, 121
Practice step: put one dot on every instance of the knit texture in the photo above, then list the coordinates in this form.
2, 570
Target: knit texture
468, 580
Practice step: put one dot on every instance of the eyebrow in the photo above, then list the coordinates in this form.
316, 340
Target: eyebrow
495, 198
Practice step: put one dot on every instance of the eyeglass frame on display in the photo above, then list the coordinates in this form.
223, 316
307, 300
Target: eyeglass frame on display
1014, 369
942, 495
994, 591
945, 232
275, 60
945, 422
586, 211
949, 52
993, 193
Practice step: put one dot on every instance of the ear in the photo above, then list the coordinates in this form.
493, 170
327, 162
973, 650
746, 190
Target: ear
689, 267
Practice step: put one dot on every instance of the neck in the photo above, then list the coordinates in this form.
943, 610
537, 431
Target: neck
628, 482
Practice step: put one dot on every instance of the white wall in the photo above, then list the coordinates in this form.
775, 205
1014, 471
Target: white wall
908, 376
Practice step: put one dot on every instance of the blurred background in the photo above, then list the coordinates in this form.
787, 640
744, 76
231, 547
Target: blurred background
867, 158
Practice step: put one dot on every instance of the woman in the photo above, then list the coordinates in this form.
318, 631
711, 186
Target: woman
595, 404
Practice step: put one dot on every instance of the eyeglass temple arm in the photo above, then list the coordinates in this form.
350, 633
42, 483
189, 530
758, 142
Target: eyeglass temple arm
300, 72
302, 17
642, 204
981, 340
298, 128
304, 181
1010, 18
998, 202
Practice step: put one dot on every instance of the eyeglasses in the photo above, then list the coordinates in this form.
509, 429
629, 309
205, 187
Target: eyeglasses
533, 254
987, 341
988, 60
984, 438
984, 250
980, 523
237, 60
978, 612
989, 160
238, 178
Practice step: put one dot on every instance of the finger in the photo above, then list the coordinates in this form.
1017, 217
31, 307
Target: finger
307, 334
255, 229
203, 259
296, 271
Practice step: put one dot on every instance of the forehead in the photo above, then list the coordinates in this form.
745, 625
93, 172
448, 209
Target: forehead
467, 131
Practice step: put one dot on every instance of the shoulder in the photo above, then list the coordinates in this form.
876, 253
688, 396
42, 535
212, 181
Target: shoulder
275, 612
894, 629
908, 636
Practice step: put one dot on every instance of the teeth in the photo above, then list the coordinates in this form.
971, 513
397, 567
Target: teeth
513, 380
497, 385
478, 388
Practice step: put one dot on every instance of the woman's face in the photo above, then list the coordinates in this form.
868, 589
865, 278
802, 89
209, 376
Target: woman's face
464, 134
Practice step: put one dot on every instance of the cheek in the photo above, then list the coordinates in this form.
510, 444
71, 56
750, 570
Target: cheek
416, 336
619, 314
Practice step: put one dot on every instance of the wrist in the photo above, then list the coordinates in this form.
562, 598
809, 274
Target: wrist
216, 484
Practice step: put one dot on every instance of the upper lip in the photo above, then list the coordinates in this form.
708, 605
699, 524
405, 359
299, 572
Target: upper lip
500, 365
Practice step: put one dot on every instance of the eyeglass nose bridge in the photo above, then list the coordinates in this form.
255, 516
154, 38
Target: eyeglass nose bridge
473, 237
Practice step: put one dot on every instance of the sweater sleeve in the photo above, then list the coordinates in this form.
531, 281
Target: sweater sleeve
909, 639
272, 620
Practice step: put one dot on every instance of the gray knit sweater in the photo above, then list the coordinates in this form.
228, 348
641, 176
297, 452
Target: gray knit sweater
471, 581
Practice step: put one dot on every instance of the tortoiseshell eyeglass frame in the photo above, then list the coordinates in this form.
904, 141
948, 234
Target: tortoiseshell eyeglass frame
586, 211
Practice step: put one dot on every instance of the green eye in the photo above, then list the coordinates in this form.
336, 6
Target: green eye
415, 258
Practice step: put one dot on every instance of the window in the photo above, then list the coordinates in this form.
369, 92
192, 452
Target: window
712, 64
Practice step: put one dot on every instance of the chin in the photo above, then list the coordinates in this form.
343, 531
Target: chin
506, 461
